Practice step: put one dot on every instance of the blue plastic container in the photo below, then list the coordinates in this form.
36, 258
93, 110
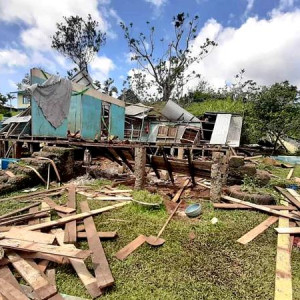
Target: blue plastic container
193, 210
4, 162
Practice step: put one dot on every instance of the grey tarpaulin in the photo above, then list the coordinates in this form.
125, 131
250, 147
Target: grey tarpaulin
53, 97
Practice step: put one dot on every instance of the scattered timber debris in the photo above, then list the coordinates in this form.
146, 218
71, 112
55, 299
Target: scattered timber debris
29, 250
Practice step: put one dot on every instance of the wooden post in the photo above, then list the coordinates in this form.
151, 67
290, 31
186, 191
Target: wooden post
180, 152
139, 169
17, 150
216, 176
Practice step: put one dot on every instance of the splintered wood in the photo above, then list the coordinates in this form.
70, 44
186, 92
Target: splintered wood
29, 251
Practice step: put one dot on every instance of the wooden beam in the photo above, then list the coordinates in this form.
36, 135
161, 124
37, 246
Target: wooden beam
101, 234
100, 264
124, 159
179, 192
150, 162
80, 268
168, 165
32, 276
70, 227
253, 233
262, 208
191, 166
58, 208
75, 217
242, 206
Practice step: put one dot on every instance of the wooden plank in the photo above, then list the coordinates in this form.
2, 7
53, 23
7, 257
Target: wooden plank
7, 275
179, 192
32, 276
10, 292
101, 234
32, 195
85, 276
70, 227
288, 196
80, 228
112, 198
253, 233
242, 206
100, 264
75, 217
295, 195
34, 210
29, 236
289, 176
44, 256
288, 230
25, 218
59, 208
283, 279
262, 208
129, 248
9, 214
43, 248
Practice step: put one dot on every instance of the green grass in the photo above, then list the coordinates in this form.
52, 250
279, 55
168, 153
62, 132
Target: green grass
210, 266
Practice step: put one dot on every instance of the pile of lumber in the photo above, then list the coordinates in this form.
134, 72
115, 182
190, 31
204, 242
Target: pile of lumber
287, 216
29, 241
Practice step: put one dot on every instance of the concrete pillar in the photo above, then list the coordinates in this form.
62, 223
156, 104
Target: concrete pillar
216, 176
180, 152
139, 168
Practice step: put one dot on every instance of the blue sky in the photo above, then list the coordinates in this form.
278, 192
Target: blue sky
262, 36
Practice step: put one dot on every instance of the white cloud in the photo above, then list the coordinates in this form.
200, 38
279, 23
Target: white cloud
249, 7
157, 3
13, 58
101, 66
41, 17
284, 5
267, 49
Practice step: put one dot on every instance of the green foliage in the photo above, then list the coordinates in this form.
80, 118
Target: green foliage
276, 111
78, 39
165, 69
226, 105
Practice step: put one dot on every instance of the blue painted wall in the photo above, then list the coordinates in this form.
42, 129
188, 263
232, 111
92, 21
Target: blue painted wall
91, 117
117, 121
84, 115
